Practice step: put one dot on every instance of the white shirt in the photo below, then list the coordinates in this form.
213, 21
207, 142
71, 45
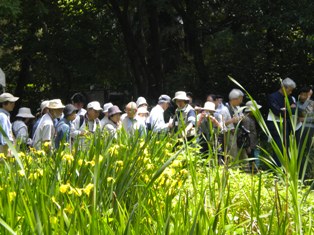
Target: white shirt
132, 125
20, 130
103, 122
156, 119
75, 127
44, 132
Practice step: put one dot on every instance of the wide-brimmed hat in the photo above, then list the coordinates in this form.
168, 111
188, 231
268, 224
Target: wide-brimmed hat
209, 106
69, 109
94, 105
113, 110
180, 95
8, 97
25, 113
55, 104
251, 106
140, 101
107, 106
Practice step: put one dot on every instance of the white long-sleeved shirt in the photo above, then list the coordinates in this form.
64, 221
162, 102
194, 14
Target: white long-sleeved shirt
156, 119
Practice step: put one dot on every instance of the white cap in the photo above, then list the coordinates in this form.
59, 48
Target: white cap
8, 97
250, 106
164, 98
107, 106
94, 105
25, 113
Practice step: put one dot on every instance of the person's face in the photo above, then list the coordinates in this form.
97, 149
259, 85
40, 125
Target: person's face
303, 96
143, 115
93, 114
216, 102
220, 100
209, 98
237, 101
165, 105
180, 103
56, 113
72, 116
115, 118
9, 106
289, 90
130, 112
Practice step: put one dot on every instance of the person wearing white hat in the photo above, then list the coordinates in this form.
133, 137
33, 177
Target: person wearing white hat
43, 110
141, 102
46, 129
142, 113
156, 121
91, 121
105, 119
7, 103
209, 126
20, 125
185, 116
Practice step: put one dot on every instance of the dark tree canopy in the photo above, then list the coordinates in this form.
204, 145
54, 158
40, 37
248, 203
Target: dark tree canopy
52, 48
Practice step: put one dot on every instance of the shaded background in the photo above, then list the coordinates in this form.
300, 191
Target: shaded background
119, 50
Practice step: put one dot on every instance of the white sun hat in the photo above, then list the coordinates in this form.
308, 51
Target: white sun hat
180, 95
140, 101
55, 104
107, 106
209, 106
25, 113
94, 105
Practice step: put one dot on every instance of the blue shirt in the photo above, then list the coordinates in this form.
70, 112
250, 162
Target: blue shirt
62, 132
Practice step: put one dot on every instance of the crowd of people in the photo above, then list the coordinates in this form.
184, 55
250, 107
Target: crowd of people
227, 127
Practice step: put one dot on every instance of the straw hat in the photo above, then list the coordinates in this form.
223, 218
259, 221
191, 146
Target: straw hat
25, 113
8, 97
94, 105
209, 106
113, 110
180, 95
55, 104
250, 106
107, 106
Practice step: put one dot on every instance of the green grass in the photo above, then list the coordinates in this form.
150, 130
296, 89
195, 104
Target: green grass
146, 186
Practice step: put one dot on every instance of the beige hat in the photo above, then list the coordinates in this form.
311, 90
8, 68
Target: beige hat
94, 105
8, 97
55, 104
25, 113
44, 105
209, 106
250, 106
180, 95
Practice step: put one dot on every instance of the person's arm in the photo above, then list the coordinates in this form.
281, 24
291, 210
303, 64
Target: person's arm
191, 120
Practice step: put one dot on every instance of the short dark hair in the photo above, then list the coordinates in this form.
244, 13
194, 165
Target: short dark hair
189, 94
305, 89
78, 98
214, 97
